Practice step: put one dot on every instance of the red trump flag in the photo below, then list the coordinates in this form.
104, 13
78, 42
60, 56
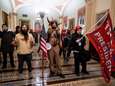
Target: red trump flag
101, 40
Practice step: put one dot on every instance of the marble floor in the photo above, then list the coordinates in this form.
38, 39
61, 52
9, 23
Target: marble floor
10, 76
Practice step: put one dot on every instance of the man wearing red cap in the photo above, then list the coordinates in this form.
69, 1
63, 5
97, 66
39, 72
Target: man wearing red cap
78, 43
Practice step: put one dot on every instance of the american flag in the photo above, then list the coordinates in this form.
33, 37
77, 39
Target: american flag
43, 38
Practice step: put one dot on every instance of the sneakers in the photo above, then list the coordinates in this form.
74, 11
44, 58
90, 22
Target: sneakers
85, 72
77, 74
82, 73
51, 74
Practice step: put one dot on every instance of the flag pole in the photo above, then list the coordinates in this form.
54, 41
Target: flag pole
42, 16
103, 17
42, 71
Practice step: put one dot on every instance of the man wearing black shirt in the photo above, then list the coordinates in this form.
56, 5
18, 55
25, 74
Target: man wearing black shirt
78, 43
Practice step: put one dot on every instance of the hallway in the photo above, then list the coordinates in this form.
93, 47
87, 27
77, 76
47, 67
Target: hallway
70, 17
10, 76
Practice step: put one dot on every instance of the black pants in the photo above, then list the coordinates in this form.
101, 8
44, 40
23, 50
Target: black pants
5, 58
0, 59
69, 51
78, 60
21, 59
64, 52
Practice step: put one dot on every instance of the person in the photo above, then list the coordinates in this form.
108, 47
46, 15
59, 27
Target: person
35, 35
24, 42
53, 53
67, 45
6, 45
64, 43
78, 43
17, 29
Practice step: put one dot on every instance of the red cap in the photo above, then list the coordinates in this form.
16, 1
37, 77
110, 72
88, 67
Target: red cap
77, 28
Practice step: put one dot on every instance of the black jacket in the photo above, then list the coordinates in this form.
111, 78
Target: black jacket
78, 46
6, 40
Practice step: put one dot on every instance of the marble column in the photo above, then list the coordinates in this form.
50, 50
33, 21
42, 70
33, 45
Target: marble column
90, 14
90, 18
12, 21
1, 21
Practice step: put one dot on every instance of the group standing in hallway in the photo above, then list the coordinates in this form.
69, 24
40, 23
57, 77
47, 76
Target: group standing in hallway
23, 40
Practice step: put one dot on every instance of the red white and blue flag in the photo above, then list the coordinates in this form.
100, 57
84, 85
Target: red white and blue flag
43, 38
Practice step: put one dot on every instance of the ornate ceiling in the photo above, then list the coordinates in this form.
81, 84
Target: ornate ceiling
50, 7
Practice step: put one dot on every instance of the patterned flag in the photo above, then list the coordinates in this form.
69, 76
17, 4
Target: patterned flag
43, 38
101, 39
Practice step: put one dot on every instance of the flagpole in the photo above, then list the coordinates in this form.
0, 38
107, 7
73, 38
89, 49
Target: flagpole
43, 71
104, 16
42, 16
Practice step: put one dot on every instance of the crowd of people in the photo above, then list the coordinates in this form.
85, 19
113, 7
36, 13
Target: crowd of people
62, 43
22, 41
65, 42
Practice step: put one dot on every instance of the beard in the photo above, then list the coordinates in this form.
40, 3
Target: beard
25, 33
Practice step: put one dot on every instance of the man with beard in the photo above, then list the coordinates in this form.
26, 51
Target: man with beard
6, 45
54, 58
24, 42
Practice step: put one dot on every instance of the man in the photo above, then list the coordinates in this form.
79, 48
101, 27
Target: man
54, 58
24, 42
6, 45
78, 43
17, 29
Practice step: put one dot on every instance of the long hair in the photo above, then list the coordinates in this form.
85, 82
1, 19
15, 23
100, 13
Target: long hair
25, 33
